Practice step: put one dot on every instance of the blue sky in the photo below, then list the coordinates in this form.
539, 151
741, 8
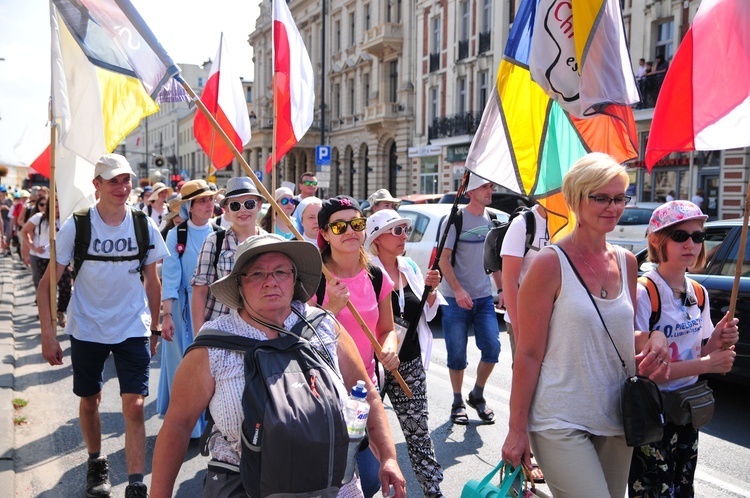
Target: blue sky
188, 29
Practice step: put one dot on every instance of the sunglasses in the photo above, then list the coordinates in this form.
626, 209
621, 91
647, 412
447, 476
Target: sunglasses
399, 230
682, 236
288, 200
605, 199
310, 183
236, 205
41, 205
339, 227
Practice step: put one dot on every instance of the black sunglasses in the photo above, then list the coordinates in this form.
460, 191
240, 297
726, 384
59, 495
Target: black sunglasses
288, 200
236, 205
682, 236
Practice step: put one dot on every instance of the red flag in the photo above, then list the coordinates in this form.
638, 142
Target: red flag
225, 100
42, 163
704, 103
294, 89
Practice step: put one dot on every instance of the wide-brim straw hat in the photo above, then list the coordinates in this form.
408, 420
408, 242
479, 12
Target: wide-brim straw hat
158, 188
195, 189
304, 255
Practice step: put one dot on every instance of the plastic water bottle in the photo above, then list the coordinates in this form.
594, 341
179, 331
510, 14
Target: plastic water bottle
356, 411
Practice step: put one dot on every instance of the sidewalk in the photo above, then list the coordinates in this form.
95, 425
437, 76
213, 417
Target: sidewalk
9, 271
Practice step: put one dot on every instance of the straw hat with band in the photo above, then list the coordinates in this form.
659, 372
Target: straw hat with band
239, 186
381, 222
383, 195
304, 256
159, 187
194, 189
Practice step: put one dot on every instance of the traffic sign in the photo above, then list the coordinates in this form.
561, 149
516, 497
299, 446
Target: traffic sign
323, 155
259, 174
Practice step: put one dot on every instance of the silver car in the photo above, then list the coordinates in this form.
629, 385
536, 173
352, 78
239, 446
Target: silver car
630, 232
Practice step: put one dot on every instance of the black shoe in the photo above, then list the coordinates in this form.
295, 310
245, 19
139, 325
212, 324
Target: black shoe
136, 490
97, 479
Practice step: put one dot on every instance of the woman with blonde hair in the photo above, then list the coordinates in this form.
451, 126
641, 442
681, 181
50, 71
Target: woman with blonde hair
567, 376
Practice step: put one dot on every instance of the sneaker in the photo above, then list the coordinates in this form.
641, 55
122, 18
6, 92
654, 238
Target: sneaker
97, 479
136, 490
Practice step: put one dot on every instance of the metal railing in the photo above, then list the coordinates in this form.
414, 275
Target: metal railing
484, 42
434, 62
463, 49
465, 123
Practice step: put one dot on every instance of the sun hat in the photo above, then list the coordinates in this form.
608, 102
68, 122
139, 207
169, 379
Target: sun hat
239, 186
304, 255
281, 192
111, 165
3, 188
22, 193
674, 212
475, 181
383, 195
329, 208
174, 208
159, 187
380, 222
194, 189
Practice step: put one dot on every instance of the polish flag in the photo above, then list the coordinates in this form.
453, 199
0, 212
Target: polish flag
704, 102
294, 90
225, 100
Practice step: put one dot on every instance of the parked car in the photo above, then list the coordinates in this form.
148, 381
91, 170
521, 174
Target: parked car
425, 236
420, 198
505, 201
722, 245
630, 232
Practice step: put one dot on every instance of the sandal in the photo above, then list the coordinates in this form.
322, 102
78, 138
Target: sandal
459, 415
536, 473
61, 319
480, 405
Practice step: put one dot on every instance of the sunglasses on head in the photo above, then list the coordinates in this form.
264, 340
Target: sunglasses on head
236, 205
310, 183
288, 200
398, 230
682, 236
339, 227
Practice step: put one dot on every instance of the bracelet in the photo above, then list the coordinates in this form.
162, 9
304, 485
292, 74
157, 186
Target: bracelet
156, 332
499, 291
166, 314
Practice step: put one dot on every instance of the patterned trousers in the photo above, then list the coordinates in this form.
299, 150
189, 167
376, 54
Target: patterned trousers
665, 469
412, 415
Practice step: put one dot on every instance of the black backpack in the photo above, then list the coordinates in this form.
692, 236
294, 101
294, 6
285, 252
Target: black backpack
376, 277
82, 221
493, 243
294, 437
458, 222
182, 233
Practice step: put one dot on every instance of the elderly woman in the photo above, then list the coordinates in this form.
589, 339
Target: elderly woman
266, 291
176, 291
567, 378
242, 203
386, 238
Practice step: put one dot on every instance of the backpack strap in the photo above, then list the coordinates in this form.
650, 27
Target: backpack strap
700, 294
82, 219
458, 223
142, 237
654, 299
530, 219
373, 271
221, 234
182, 233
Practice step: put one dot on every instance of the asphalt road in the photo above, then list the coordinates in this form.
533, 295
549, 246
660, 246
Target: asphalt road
50, 454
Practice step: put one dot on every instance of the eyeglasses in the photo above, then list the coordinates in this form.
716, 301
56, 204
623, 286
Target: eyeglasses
605, 199
398, 230
339, 227
682, 236
310, 183
280, 275
236, 205
288, 200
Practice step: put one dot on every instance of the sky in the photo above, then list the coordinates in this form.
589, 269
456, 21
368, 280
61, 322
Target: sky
189, 30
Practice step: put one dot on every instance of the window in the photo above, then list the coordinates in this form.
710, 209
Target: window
337, 35
337, 100
366, 78
486, 16
433, 104
352, 28
367, 16
665, 39
389, 11
435, 35
464, 20
393, 81
461, 92
351, 97
249, 94
429, 176
484, 89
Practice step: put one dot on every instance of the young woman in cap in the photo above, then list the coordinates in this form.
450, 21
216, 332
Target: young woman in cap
242, 204
386, 238
176, 291
267, 292
285, 197
341, 238
675, 242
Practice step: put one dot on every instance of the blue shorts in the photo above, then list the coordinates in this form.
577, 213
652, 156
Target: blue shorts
132, 359
456, 322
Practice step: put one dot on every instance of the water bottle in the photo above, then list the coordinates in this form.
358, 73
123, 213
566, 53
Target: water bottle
356, 410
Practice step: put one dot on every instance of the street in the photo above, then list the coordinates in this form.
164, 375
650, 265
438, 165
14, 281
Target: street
50, 455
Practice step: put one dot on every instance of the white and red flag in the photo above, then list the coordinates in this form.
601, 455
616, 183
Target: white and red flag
294, 90
704, 102
225, 100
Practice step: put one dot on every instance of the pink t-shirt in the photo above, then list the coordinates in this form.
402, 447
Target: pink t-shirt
362, 296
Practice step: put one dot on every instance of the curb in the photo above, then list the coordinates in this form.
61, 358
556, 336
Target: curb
7, 375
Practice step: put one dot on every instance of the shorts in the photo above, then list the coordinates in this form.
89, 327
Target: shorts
132, 359
456, 322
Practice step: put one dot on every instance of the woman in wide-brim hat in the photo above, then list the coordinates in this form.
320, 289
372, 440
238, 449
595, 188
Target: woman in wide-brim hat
267, 292
241, 203
197, 205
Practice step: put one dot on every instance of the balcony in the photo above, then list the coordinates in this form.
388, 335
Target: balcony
380, 114
465, 123
383, 39
649, 87
463, 50
434, 62
484, 42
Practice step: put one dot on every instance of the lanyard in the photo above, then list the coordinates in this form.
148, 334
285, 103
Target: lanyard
401, 298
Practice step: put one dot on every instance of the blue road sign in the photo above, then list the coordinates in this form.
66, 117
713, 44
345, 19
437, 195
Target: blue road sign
323, 155
259, 174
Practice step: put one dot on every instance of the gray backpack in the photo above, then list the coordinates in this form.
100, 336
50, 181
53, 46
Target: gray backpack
294, 437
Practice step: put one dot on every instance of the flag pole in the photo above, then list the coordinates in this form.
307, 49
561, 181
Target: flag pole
52, 220
277, 209
275, 121
740, 256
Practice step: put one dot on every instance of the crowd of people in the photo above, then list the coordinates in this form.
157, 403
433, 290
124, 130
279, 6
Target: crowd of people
203, 261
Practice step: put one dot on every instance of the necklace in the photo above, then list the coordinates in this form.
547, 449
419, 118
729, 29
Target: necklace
603, 293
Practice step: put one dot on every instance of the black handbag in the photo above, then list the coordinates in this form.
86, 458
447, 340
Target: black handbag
642, 403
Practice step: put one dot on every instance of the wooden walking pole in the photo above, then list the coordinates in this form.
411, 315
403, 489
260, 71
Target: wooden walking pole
740, 257
262, 189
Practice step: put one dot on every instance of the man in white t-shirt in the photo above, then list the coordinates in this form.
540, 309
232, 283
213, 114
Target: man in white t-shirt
112, 312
